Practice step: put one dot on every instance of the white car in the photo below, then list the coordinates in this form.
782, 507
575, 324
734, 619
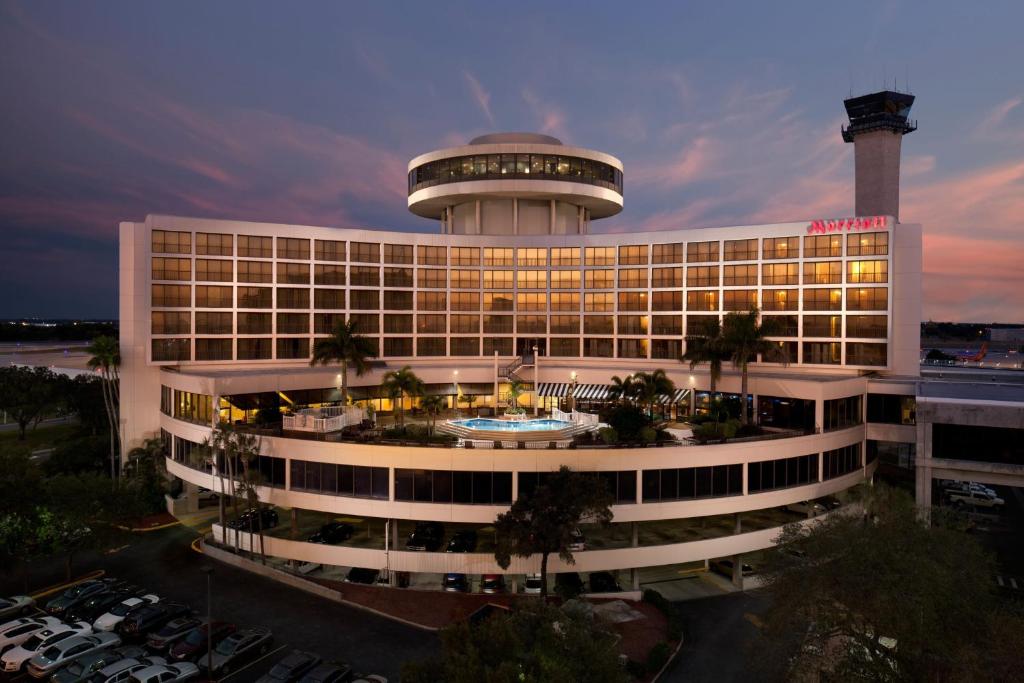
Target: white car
122, 670
67, 650
975, 498
15, 605
14, 659
117, 614
577, 541
19, 630
166, 673
532, 584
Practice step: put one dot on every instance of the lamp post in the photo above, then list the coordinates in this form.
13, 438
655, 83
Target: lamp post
572, 392
536, 371
209, 620
455, 381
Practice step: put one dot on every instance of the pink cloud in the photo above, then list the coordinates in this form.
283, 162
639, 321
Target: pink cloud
480, 96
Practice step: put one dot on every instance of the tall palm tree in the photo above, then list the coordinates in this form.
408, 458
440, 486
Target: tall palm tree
707, 348
649, 386
622, 389
400, 382
248, 448
745, 338
105, 357
432, 405
515, 390
346, 347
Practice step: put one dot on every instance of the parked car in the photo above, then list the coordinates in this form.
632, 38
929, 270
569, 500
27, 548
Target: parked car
532, 584
290, 669
237, 649
369, 678
96, 606
75, 595
806, 507
205, 495
333, 533
121, 670
15, 605
427, 536
492, 583
462, 542
15, 659
362, 575
171, 632
724, 567
193, 645
604, 582
328, 673
151, 617
54, 657
974, 498
577, 541
165, 673
17, 631
118, 613
455, 583
83, 668
569, 582
249, 520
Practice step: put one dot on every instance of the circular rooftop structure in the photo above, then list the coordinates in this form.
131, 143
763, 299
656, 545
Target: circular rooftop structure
514, 138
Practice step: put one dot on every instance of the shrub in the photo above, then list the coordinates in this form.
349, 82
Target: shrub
748, 430
627, 421
608, 435
648, 435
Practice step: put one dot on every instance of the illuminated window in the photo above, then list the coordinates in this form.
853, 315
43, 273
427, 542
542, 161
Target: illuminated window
364, 276
817, 246
633, 348
599, 279
292, 248
213, 296
867, 244
215, 270
599, 302
565, 256
465, 301
867, 271
171, 322
780, 300
823, 273
633, 255
214, 244
599, 256
365, 252
667, 277
293, 273
733, 276
171, 242
667, 253
740, 250
499, 256
498, 279
781, 273
632, 278
781, 247
532, 279
465, 279
400, 254
739, 299
702, 276
328, 274
701, 252
867, 298
531, 257
328, 250
667, 301
565, 279
565, 324
433, 278
632, 301
255, 271
251, 246
431, 301
702, 301
499, 301
431, 256
823, 299
565, 301
172, 268
465, 256
632, 324
527, 301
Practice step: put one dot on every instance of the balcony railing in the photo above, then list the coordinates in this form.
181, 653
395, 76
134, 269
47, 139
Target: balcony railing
323, 420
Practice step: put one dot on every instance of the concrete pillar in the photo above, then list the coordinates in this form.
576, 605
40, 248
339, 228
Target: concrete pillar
190, 492
923, 465
737, 571
819, 415
738, 528
294, 531
634, 579
754, 418
495, 382
635, 530
536, 380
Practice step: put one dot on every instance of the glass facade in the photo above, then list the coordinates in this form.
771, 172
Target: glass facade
515, 166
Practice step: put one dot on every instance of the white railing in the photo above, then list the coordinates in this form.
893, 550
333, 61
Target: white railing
576, 417
329, 419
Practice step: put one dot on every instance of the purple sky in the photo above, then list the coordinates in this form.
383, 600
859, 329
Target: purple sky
307, 113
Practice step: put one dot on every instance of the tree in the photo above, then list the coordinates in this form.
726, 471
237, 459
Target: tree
398, 383
469, 400
224, 449
146, 470
432, 405
105, 357
25, 393
707, 348
515, 389
247, 446
543, 522
745, 339
648, 387
83, 396
533, 642
622, 389
346, 347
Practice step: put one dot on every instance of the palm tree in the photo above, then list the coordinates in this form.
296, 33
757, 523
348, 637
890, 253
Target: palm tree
105, 356
346, 347
745, 339
622, 389
432, 405
707, 348
398, 383
224, 449
248, 449
470, 399
515, 390
649, 386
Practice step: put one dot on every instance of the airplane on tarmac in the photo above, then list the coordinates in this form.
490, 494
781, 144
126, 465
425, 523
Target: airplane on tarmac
976, 358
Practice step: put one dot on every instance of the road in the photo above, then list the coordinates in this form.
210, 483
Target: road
161, 561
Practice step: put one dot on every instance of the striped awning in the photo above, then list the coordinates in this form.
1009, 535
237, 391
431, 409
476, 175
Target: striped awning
591, 392
678, 396
599, 392
553, 389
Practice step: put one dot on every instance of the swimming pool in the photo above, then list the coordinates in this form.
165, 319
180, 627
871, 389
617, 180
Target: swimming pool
489, 425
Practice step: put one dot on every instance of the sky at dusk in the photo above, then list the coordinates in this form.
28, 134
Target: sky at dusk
722, 113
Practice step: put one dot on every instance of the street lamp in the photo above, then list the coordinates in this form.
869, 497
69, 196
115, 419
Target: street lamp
572, 391
455, 381
209, 620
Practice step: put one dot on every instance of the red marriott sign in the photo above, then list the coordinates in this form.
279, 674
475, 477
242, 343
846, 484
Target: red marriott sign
821, 227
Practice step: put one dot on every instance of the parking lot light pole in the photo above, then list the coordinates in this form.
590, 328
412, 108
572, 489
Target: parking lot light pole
209, 621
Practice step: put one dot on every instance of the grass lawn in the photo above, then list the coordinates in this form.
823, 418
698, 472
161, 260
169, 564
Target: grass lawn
41, 437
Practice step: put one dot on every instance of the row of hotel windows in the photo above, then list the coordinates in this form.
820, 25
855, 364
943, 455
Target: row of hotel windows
252, 246
507, 166
295, 298
814, 273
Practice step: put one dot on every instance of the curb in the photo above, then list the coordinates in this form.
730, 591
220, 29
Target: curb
670, 662
141, 530
50, 590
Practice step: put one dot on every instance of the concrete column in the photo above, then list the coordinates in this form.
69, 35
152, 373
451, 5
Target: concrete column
295, 524
536, 380
754, 419
515, 486
514, 585
821, 467
923, 464
737, 571
738, 528
819, 415
495, 382
635, 530
634, 579
191, 494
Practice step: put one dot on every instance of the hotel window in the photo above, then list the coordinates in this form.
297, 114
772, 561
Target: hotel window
259, 348
328, 298
868, 244
823, 299
465, 301
667, 301
255, 271
197, 408
497, 324
823, 326
498, 279
327, 323
599, 302
465, 256
431, 346
817, 246
565, 301
739, 299
172, 268
364, 299
293, 248
702, 301
214, 244
216, 322
215, 270
700, 325
740, 250
397, 301
780, 274
398, 277
867, 298
599, 256
692, 482
779, 300
632, 348
632, 301
739, 276
171, 322
601, 347
293, 273
632, 278
599, 279
840, 413
499, 256
501, 346
434, 278
248, 323
841, 461
565, 256
565, 324
666, 349
465, 346
251, 246
823, 273
465, 279
213, 296
701, 252
398, 346
598, 324
821, 353
293, 323
867, 326
702, 276
501, 301
292, 347
465, 324
526, 301
398, 253
213, 349
531, 257
328, 250
364, 276
292, 297
171, 349
768, 475
667, 277
431, 256
782, 326
396, 323
171, 242
565, 279
328, 274
365, 252
431, 324
667, 253
635, 255
781, 247
867, 271
532, 279
565, 347
667, 324
859, 353
431, 301
531, 324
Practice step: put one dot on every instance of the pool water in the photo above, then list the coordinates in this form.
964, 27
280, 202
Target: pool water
484, 424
